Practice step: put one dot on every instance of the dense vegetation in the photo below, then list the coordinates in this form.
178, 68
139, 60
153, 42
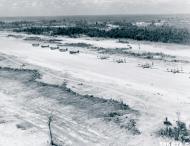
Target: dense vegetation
165, 33
158, 33
179, 132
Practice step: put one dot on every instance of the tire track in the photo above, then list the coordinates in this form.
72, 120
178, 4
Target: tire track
71, 121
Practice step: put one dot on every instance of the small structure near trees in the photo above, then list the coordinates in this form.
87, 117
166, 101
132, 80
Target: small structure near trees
74, 52
63, 50
121, 60
146, 65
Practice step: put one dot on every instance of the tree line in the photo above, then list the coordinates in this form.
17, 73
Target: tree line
166, 34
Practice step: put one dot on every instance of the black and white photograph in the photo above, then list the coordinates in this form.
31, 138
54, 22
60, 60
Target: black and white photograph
94, 72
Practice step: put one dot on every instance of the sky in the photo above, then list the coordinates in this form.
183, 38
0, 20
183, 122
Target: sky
91, 7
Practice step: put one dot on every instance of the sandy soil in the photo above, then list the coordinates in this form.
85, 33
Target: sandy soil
154, 92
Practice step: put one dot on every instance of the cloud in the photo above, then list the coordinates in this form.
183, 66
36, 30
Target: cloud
85, 7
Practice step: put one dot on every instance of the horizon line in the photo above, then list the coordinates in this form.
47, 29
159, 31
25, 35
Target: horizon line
132, 14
